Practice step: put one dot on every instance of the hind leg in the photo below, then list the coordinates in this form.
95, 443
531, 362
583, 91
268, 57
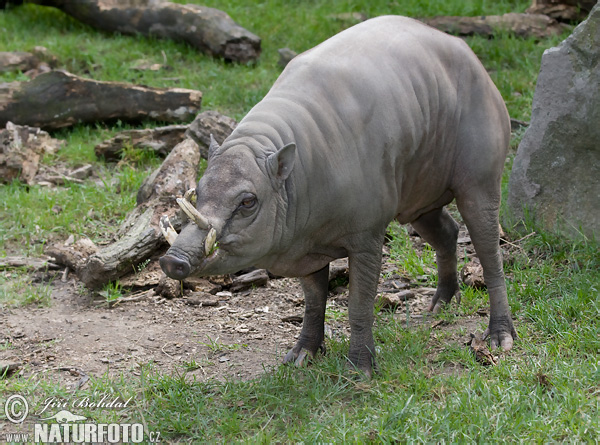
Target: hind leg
440, 230
480, 209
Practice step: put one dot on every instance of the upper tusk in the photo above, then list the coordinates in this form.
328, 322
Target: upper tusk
211, 239
190, 196
167, 229
193, 214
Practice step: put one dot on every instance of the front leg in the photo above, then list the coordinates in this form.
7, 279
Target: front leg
364, 268
315, 287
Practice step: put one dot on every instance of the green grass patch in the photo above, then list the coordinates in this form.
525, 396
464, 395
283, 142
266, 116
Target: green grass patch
17, 288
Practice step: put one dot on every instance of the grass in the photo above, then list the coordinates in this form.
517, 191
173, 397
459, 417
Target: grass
17, 288
429, 388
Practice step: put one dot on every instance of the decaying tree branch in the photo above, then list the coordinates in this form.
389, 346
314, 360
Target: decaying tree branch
59, 99
38, 59
162, 139
207, 123
562, 10
21, 148
44, 263
17, 61
523, 25
207, 29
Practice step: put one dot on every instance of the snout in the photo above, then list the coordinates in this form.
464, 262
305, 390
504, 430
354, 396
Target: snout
175, 267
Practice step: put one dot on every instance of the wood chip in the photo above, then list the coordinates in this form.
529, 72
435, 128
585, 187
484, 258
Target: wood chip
482, 353
10, 262
292, 319
256, 278
393, 300
201, 299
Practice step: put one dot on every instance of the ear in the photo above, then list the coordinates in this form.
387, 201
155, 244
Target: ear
213, 147
280, 164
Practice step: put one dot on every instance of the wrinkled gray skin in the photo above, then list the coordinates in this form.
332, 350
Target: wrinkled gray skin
387, 120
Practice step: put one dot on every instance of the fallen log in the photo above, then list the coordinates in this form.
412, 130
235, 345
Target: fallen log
562, 10
207, 123
210, 30
21, 262
74, 256
17, 61
59, 99
39, 59
161, 140
523, 25
21, 148
139, 236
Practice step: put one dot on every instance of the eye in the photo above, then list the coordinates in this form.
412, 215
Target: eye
248, 202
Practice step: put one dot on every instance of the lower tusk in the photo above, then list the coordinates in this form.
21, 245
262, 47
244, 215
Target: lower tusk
211, 240
193, 214
167, 229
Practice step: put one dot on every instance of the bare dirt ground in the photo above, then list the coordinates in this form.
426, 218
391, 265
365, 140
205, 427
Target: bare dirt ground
239, 336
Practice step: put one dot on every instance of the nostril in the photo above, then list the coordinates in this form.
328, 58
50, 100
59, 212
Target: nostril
174, 267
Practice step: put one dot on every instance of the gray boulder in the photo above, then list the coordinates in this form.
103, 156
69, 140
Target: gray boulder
556, 172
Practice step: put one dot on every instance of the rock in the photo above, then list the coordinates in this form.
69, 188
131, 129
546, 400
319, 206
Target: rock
556, 172
472, 275
285, 56
168, 288
21, 148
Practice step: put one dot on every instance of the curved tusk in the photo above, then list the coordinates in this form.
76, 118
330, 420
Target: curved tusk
191, 196
193, 214
167, 229
210, 241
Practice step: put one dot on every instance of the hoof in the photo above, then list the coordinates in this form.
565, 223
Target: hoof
438, 302
362, 373
504, 340
302, 356
501, 334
